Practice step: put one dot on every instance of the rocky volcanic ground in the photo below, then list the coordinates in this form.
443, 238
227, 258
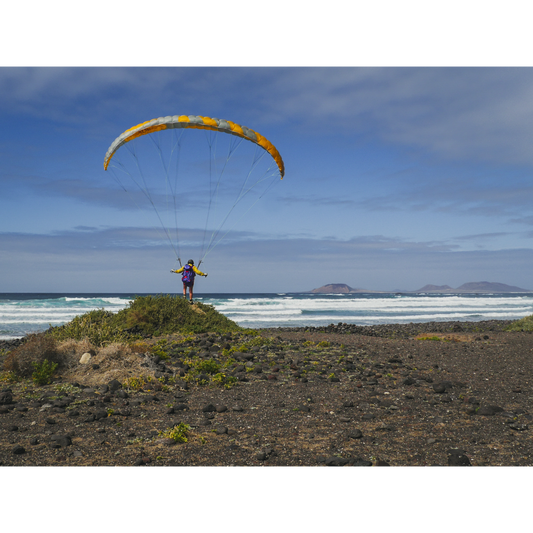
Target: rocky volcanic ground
419, 394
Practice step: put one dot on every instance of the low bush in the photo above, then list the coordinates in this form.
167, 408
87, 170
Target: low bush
524, 324
165, 314
146, 316
177, 433
36, 349
96, 326
42, 375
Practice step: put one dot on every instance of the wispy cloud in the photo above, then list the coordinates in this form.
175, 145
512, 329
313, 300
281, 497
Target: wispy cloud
456, 113
116, 259
482, 236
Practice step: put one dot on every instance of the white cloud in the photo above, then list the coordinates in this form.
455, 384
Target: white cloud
136, 259
482, 114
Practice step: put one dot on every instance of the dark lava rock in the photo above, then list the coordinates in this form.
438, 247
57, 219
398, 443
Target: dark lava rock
114, 385
12, 428
50, 421
62, 440
439, 388
355, 434
489, 410
6, 398
18, 450
73, 412
407, 331
457, 457
361, 462
122, 394
336, 461
101, 413
519, 427
181, 407
408, 381
209, 408
34, 441
222, 431
221, 408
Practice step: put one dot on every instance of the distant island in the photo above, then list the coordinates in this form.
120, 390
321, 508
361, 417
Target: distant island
474, 286
336, 288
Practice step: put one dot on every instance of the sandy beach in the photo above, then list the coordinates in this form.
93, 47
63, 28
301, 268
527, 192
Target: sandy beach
385, 396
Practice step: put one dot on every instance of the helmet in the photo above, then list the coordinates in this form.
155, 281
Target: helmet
190, 262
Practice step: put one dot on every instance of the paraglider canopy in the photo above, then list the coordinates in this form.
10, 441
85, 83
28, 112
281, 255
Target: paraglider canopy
196, 122
163, 166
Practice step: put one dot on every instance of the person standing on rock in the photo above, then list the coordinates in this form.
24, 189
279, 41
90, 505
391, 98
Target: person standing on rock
188, 272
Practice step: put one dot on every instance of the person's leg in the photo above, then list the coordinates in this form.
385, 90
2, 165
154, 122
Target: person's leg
184, 290
190, 291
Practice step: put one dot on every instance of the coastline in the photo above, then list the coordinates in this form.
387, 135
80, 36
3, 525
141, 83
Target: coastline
35, 312
308, 398
398, 330
402, 330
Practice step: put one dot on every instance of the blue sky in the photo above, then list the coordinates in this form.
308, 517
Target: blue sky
396, 176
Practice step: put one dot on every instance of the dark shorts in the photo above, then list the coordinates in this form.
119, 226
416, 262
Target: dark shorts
188, 283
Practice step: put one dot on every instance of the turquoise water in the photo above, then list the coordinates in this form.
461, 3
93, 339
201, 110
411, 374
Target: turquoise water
21, 314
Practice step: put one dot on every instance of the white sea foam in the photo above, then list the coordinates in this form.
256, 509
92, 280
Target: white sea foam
369, 309
121, 302
19, 317
26, 315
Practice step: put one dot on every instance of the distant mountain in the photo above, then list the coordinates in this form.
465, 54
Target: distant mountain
486, 286
474, 286
435, 288
335, 288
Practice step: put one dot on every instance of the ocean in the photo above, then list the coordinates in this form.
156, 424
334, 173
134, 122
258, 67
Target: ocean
25, 313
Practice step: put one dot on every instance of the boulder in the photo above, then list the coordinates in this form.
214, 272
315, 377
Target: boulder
85, 358
6, 398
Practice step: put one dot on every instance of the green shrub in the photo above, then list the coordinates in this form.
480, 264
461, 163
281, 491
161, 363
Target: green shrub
224, 380
96, 326
177, 433
524, 324
146, 316
165, 314
247, 344
43, 372
209, 367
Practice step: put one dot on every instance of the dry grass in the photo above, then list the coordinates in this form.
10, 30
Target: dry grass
116, 361
36, 349
196, 309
